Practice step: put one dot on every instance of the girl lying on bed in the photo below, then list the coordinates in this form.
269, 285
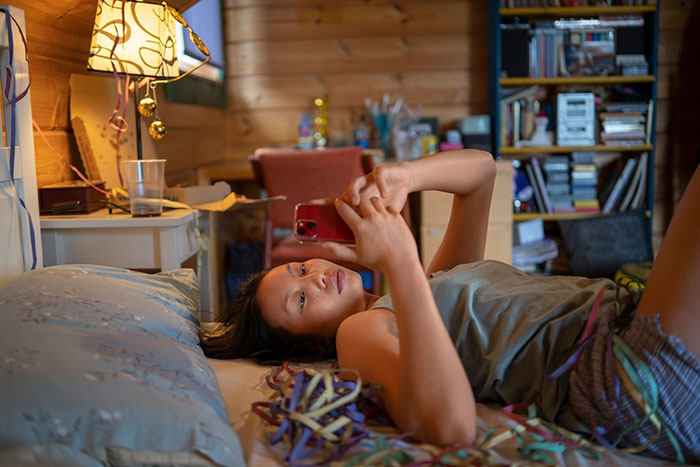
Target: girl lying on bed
481, 329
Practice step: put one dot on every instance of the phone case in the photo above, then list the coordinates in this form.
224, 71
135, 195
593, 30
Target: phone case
319, 222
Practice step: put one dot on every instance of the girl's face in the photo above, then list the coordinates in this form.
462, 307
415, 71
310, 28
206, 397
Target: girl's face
312, 297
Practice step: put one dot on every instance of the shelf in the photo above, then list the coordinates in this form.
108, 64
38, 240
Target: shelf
513, 151
578, 11
527, 216
517, 81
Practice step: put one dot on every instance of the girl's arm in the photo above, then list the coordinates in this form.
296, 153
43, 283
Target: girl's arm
423, 384
468, 174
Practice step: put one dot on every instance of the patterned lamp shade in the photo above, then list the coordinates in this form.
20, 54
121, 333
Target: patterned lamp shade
146, 33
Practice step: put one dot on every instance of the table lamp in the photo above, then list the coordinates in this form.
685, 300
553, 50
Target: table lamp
138, 38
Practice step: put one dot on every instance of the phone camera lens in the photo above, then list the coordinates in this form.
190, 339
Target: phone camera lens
301, 230
311, 225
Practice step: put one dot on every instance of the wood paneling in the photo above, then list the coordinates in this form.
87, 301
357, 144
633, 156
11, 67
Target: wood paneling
349, 89
275, 21
372, 54
678, 141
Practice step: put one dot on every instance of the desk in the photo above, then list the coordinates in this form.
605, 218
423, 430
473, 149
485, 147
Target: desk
119, 240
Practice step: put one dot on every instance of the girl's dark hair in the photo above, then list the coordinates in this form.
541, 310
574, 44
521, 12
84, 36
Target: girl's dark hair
242, 332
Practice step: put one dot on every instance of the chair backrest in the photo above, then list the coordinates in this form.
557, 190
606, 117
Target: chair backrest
304, 175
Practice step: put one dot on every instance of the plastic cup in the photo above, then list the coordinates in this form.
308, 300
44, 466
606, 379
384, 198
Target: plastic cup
144, 181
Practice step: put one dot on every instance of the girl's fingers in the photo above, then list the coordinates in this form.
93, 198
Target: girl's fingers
378, 204
380, 180
366, 207
322, 201
347, 212
355, 188
342, 252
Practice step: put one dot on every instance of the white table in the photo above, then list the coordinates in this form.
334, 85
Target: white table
119, 240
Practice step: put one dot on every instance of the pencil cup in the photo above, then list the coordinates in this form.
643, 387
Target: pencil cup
144, 181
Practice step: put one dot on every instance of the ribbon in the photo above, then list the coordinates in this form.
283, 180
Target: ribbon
314, 412
11, 95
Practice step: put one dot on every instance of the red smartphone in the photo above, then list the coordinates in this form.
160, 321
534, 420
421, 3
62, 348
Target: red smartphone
319, 222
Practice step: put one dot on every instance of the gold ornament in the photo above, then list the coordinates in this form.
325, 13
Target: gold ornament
147, 107
157, 130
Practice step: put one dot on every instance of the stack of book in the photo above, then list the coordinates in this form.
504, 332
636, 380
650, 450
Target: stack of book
518, 114
559, 183
584, 177
547, 51
625, 124
558, 3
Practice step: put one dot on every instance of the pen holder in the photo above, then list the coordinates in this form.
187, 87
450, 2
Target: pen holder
383, 132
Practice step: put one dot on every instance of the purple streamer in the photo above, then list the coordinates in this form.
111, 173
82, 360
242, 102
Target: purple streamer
13, 125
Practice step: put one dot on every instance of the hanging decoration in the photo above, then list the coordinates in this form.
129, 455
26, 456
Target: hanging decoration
321, 133
138, 39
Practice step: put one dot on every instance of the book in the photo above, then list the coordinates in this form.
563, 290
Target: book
589, 209
555, 189
540, 184
625, 143
613, 126
633, 185
519, 93
622, 116
586, 203
605, 136
557, 163
533, 182
585, 192
619, 186
638, 198
650, 112
583, 157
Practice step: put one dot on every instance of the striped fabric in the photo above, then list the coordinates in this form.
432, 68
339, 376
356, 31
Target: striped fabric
677, 374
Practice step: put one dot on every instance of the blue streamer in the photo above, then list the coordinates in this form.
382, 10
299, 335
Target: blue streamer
13, 132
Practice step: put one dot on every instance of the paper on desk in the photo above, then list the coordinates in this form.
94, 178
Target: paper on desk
193, 195
216, 197
233, 202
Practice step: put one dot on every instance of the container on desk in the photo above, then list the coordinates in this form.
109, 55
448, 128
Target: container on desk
144, 181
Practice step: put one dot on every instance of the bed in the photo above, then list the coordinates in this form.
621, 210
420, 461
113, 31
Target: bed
102, 366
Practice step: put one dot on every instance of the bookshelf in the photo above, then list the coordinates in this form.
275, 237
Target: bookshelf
549, 69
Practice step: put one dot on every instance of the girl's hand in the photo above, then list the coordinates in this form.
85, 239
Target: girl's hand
383, 239
389, 183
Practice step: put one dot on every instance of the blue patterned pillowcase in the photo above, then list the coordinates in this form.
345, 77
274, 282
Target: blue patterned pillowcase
101, 364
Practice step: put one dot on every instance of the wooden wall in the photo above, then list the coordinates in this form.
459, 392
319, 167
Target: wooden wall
284, 53
678, 121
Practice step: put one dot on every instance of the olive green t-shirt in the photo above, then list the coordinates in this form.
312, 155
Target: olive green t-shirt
509, 327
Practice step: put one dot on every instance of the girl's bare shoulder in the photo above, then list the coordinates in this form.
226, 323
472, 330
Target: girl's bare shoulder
368, 324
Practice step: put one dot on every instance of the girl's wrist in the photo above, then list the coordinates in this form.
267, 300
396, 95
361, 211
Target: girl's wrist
400, 264
414, 176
